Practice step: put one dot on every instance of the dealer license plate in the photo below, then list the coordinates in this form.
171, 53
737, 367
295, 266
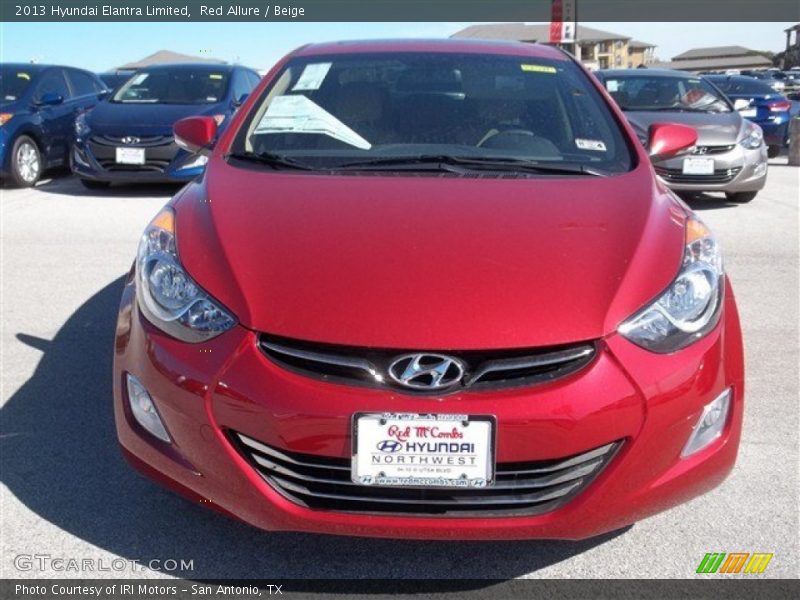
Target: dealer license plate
421, 450
698, 166
130, 156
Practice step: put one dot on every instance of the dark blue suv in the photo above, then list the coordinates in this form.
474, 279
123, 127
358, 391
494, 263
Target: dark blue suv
38, 107
128, 137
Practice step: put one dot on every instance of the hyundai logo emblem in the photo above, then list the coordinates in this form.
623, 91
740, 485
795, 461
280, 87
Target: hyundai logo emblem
130, 139
700, 150
426, 371
389, 446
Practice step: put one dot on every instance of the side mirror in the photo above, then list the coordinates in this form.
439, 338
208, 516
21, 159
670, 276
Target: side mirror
668, 139
741, 104
240, 100
50, 99
195, 134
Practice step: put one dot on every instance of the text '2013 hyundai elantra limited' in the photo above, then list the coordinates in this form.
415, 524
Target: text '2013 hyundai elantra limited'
430, 290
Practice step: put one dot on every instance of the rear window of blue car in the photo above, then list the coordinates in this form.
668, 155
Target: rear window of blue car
743, 85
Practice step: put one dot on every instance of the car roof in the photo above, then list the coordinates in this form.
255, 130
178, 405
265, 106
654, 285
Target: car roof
28, 66
434, 45
646, 73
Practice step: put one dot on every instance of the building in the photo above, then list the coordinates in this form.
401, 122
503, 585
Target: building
595, 48
717, 58
166, 57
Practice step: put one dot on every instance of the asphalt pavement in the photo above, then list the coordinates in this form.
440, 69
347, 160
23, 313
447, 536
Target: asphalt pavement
68, 494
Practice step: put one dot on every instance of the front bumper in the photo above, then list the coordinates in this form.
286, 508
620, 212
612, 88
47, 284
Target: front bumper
649, 401
736, 170
165, 164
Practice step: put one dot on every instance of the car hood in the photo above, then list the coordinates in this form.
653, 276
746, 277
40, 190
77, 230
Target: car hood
116, 118
13, 106
423, 262
713, 129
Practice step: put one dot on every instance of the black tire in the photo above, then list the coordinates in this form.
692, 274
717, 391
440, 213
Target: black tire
774, 151
741, 197
91, 184
26, 162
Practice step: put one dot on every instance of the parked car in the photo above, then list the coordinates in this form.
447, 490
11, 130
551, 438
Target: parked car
430, 289
128, 137
730, 155
759, 103
38, 106
771, 78
114, 79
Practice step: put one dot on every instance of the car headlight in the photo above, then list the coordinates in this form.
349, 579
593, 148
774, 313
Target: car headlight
690, 307
753, 138
168, 297
81, 128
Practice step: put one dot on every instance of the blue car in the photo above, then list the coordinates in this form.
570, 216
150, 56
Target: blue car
38, 106
128, 137
758, 102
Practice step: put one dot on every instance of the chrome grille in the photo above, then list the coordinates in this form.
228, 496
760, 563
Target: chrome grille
483, 369
677, 176
706, 150
323, 483
145, 141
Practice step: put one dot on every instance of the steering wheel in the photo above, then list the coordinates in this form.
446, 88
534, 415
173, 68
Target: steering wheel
496, 136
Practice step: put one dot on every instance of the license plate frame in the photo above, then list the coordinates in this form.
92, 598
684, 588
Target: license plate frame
130, 156
695, 165
376, 426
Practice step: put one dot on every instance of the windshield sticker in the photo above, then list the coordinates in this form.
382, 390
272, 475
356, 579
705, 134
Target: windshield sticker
594, 145
215, 76
612, 85
298, 114
211, 98
537, 69
24, 76
312, 76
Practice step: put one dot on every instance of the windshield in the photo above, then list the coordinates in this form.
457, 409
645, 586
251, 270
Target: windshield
178, 86
654, 93
326, 112
14, 82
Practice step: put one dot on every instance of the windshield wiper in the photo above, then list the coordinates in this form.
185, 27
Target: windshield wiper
446, 162
276, 161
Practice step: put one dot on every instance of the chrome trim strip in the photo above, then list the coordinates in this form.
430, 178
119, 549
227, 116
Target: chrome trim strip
279, 455
527, 362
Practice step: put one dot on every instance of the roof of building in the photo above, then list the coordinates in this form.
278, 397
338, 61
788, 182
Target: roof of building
638, 44
164, 57
522, 32
713, 64
714, 52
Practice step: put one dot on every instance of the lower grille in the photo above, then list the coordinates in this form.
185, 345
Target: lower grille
323, 483
481, 369
677, 176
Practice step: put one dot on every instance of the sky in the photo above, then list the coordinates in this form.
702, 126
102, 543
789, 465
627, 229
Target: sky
103, 46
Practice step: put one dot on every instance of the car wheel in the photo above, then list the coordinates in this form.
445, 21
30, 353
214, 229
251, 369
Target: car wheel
26, 162
773, 151
91, 184
741, 197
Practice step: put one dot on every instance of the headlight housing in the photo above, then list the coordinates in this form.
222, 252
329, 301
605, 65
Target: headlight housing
81, 128
168, 297
754, 137
690, 307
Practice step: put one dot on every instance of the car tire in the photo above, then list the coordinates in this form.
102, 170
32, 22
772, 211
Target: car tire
26, 162
773, 151
91, 184
741, 197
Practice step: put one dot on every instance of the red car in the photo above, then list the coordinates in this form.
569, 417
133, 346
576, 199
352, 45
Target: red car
430, 289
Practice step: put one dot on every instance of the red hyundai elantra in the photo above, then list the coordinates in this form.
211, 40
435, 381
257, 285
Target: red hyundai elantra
430, 290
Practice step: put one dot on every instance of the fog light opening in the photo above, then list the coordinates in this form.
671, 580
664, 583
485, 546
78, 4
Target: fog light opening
710, 424
760, 169
144, 410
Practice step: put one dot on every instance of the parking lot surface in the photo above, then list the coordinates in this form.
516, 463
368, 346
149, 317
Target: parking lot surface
67, 492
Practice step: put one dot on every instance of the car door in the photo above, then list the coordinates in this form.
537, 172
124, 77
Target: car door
56, 120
